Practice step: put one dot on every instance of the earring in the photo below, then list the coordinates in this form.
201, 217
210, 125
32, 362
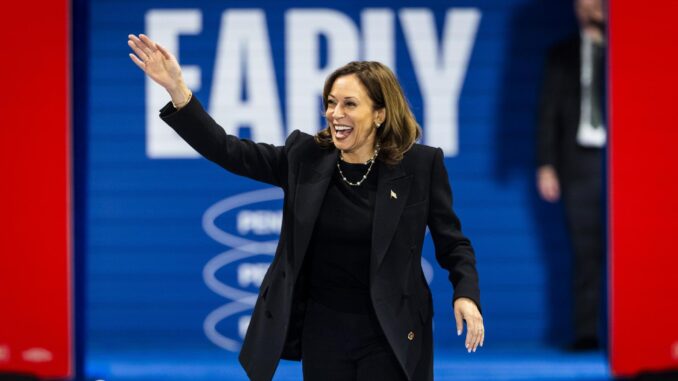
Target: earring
378, 124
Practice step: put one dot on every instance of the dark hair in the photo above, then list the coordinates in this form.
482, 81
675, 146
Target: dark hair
399, 130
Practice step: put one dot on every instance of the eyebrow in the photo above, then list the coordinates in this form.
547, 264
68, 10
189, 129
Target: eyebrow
349, 97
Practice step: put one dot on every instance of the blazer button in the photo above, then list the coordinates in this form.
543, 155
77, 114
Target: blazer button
270, 315
410, 336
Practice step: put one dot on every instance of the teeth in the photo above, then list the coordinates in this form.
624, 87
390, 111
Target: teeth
342, 128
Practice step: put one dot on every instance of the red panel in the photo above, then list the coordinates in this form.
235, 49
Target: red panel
644, 186
35, 262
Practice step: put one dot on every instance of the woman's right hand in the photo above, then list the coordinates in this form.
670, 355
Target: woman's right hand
160, 65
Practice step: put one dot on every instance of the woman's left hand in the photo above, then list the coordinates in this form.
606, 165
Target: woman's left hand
465, 309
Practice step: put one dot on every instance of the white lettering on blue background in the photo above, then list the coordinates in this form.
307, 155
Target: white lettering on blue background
440, 74
251, 274
304, 75
244, 58
244, 51
259, 222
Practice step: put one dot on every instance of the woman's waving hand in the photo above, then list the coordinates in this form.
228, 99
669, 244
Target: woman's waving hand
161, 66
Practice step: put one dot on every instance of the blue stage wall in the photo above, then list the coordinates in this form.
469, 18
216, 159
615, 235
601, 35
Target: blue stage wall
176, 246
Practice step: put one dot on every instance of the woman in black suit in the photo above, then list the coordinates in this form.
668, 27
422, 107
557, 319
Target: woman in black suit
345, 292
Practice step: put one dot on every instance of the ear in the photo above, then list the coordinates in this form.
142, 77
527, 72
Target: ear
379, 115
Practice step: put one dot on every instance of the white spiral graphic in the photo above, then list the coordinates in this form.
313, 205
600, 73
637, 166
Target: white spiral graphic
229, 204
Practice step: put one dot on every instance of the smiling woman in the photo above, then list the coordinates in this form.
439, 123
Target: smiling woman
345, 291
355, 98
352, 119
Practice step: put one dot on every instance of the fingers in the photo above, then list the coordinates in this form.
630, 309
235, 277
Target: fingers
142, 46
152, 46
552, 193
466, 310
545, 192
555, 191
141, 54
547, 183
164, 52
138, 62
549, 189
482, 339
459, 320
475, 335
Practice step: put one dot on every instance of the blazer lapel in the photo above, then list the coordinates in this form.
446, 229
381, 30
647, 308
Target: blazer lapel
312, 182
393, 188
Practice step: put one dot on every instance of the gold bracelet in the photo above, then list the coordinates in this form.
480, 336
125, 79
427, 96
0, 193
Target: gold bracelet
180, 106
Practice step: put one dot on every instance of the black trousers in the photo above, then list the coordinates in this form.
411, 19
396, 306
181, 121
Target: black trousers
340, 346
584, 208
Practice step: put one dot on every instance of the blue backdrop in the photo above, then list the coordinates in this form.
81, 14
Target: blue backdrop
173, 241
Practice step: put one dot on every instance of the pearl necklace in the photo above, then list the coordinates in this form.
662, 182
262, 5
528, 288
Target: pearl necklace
371, 161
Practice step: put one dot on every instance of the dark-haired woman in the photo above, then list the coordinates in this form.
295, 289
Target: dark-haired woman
345, 292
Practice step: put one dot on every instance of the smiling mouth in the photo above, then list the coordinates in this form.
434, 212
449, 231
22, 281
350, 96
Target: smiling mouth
342, 132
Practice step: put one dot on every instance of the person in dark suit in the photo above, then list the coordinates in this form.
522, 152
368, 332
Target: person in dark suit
571, 140
345, 292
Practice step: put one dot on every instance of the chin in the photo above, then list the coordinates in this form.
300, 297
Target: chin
342, 146
339, 145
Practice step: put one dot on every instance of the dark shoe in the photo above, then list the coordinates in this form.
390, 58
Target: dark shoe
584, 345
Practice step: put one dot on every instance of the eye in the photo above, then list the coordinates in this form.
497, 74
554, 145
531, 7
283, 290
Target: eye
350, 104
331, 102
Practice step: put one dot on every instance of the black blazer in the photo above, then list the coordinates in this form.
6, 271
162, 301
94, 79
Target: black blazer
400, 295
559, 113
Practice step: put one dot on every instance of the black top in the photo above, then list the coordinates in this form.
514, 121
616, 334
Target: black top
339, 252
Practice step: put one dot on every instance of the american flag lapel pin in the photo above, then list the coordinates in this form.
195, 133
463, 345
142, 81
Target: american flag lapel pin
394, 195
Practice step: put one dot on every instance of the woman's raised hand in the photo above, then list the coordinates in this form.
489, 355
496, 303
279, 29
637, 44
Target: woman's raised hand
160, 65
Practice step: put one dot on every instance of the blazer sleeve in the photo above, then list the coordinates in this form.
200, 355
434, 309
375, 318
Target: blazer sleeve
550, 98
452, 249
258, 161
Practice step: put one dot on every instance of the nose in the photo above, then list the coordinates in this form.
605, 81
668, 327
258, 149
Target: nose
337, 113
